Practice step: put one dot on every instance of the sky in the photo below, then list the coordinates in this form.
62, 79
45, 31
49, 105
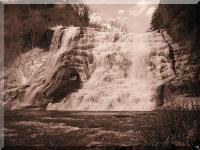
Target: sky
136, 17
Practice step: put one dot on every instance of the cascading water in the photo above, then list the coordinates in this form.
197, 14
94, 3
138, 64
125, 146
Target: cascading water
126, 71
49, 76
88, 69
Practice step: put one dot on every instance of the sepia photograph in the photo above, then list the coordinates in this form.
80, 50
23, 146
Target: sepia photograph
99, 75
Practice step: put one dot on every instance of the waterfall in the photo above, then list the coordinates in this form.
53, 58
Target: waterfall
125, 73
100, 70
49, 76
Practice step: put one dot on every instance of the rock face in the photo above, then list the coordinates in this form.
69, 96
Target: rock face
182, 23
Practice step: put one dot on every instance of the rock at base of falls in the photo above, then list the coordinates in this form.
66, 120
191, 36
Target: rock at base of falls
68, 83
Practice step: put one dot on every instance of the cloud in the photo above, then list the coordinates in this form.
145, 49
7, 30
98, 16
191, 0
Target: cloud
150, 11
143, 2
121, 12
135, 24
125, 18
118, 17
148, 1
137, 10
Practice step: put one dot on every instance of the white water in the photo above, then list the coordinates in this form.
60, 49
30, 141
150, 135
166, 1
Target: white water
125, 74
41, 79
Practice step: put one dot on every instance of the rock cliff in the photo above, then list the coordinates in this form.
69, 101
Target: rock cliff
182, 23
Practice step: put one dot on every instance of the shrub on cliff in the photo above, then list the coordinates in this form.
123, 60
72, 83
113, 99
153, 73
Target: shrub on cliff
181, 21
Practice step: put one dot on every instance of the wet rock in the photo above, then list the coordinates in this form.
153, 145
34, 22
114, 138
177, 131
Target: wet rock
159, 97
